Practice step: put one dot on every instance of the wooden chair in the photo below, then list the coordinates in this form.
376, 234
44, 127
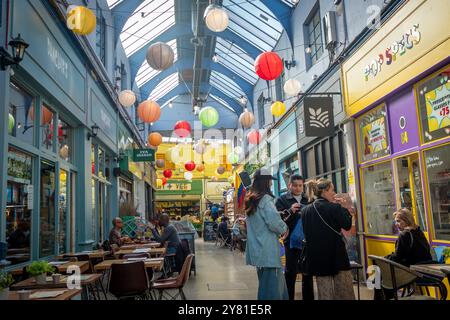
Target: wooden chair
395, 276
165, 285
129, 281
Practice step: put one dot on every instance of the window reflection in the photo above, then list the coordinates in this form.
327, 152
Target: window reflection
21, 115
47, 205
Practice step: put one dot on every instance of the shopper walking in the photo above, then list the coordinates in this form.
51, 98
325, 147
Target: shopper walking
289, 206
264, 227
326, 254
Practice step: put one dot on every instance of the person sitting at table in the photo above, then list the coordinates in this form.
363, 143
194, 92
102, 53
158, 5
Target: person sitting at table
223, 230
169, 234
239, 233
411, 247
115, 235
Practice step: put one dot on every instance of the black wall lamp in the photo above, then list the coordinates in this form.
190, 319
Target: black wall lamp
290, 64
94, 132
18, 46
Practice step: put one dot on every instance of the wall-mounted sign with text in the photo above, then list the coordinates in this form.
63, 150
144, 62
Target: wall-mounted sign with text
319, 116
143, 155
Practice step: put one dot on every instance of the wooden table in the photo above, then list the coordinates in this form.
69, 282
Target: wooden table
140, 245
151, 251
157, 264
95, 254
30, 283
431, 269
62, 268
69, 294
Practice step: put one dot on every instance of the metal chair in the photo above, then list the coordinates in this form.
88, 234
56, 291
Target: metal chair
129, 281
395, 276
165, 285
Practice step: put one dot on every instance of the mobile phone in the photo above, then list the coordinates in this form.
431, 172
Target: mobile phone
246, 180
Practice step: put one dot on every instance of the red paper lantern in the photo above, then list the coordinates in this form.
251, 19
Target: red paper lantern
182, 129
167, 173
149, 111
189, 166
268, 66
164, 181
254, 137
93, 168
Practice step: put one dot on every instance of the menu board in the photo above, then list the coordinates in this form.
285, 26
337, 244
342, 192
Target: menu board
208, 231
437, 103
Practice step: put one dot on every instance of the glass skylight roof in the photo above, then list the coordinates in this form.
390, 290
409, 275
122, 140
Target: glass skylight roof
254, 22
149, 20
237, 60
164, 87
146, 73
226, 85
113, 3
290, 3
222, 102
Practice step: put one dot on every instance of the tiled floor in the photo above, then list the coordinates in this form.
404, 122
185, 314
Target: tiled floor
223, 275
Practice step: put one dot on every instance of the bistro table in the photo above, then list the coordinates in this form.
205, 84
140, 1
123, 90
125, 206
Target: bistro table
62, 267
152, 251
140, 245
67, 295
435, 271
155, 263
93, 254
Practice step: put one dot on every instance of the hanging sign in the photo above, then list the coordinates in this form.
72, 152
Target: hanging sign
319, 116
438, 107
143, 155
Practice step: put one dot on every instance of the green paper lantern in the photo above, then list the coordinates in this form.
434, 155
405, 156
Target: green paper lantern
209, 116
233, 158
11, 124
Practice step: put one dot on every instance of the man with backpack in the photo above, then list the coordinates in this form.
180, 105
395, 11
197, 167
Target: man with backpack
289, 206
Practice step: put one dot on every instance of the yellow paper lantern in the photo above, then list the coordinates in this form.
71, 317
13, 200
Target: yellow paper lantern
81, 20
278, 109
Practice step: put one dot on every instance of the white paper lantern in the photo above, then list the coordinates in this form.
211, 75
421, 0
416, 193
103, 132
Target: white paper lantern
247, 119
292, 87
216, 18
188, 175
160, 56
64, 152
127, 98
200, 148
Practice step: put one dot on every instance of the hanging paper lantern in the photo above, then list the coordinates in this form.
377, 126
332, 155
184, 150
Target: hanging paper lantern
155, 139
189, 166
127, 98
182, 129
216, 18
188, 175
149, 111
159, 183
81, 20
46, 115
231, 179
93, 168
214, 179
209, 116
220, 170
160, 56
11, 124
164, 181
160, 163
200, 168
233, 158
238, 151
254, 137
292, 87
278, 109
64, 152
167, 173
268, 66
247, 119
200, 148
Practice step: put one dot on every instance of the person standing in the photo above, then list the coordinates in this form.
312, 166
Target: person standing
289, 206
326, 254
264, 227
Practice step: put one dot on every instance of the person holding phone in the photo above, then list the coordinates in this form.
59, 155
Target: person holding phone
289, 206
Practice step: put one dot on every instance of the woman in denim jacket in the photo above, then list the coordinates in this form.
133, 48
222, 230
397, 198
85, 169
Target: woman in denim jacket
264, 228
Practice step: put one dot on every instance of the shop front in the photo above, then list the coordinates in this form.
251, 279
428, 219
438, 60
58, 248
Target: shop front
397, 90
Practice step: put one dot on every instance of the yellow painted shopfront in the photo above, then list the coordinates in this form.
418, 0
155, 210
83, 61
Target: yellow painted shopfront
396, 87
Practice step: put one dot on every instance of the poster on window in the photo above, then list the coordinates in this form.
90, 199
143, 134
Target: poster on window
438, 107
374, 136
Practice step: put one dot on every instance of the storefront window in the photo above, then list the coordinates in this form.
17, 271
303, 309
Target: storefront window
21, 115
19, 206
438, 171
433, 96
64, 140
62, 235
125, 189
47, 214
47, 129
101, 163
379, 199
373, 134
93, 159
287, 169
94, 209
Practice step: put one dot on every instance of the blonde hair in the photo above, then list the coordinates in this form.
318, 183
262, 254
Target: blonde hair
315, 188
406, 215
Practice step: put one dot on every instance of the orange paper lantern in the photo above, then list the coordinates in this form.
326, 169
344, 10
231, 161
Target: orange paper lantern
46, 116
155, 139
149, 111
200, 167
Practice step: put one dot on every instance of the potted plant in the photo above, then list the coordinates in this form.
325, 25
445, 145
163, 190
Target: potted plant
127, 209
39, 270
446, 254
6, 280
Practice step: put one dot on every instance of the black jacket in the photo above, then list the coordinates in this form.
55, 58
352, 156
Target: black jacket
283, 205
326, 253
411, 248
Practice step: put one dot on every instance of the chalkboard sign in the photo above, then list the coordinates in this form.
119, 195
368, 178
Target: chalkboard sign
208, 231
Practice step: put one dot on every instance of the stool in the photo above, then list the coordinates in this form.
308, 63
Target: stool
356, 266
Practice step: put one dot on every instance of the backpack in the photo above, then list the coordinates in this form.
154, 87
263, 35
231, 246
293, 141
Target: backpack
297, 236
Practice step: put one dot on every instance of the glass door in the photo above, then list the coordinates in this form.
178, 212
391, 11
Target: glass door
409, 192
64, 187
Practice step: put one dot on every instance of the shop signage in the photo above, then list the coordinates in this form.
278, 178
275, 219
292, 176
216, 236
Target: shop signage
178, 186
143, 155
103, 118
393, 56
374, 136
438, 107
319, 116
216, 189
57, 58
